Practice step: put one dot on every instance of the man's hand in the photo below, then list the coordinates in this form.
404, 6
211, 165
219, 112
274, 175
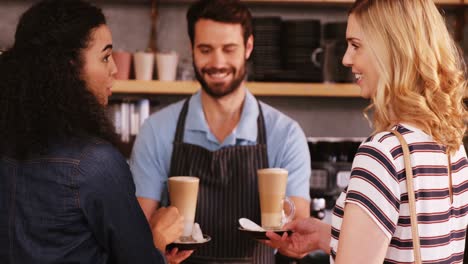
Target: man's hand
167, 225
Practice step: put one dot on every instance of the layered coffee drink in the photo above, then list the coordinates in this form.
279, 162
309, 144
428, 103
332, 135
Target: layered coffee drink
183, 193
272, 191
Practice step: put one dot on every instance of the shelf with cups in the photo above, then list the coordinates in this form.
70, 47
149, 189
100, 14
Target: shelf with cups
334, 1
280, 89
257, 88
329, 2
441, 2
337, 1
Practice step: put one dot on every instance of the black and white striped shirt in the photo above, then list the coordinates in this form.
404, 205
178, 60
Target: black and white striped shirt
378, 186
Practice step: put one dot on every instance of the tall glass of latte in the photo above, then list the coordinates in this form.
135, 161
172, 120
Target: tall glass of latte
183, 193
272, 191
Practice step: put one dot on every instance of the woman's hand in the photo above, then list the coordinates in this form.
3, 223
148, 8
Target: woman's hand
282, 243
308, 234
175, 256
167, 225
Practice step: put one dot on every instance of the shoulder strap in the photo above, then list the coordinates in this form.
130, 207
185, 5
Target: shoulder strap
179, 134
411, 197
449, 171
261, 134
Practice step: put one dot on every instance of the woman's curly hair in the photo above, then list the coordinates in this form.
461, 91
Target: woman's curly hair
422, 72
43, 99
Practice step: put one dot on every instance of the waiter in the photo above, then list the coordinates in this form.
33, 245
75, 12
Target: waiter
222, 135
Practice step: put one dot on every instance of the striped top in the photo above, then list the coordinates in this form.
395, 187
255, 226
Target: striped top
378, 186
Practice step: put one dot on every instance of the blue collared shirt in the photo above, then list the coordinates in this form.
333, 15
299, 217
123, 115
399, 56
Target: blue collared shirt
286, 144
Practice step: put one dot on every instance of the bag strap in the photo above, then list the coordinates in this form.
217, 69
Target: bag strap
411, 197
450, 178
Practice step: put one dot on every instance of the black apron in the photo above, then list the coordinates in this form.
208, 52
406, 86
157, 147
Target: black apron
228, 191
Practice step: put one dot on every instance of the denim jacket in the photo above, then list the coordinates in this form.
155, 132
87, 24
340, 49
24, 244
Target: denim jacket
75, 204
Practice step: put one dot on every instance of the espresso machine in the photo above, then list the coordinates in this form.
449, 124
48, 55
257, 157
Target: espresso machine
331, 160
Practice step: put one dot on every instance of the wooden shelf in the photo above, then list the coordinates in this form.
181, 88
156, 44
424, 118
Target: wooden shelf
257, 88
442, 2
337, 2
451, 2
330, 2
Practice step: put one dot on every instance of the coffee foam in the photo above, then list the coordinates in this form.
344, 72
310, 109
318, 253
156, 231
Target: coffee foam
273, 170
184, 178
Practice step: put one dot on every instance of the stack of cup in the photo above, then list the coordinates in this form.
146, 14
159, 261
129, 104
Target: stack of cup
144, 65
166, 63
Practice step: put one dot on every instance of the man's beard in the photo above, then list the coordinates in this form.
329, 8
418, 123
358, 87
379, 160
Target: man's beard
231, 87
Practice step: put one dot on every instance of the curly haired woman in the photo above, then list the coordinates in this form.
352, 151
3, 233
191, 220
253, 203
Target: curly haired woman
66, 194
408, 65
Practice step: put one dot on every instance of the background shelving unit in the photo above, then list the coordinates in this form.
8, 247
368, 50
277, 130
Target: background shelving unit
275, 89
442, 2
257, 88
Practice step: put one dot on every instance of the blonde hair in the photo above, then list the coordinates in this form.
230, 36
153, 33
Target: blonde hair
422, 74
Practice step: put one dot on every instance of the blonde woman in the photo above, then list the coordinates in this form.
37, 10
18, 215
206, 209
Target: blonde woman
408, 65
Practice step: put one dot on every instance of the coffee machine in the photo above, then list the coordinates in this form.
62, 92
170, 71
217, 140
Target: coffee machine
331, 160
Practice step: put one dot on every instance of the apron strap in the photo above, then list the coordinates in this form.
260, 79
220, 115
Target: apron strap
261, 133
179, 136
